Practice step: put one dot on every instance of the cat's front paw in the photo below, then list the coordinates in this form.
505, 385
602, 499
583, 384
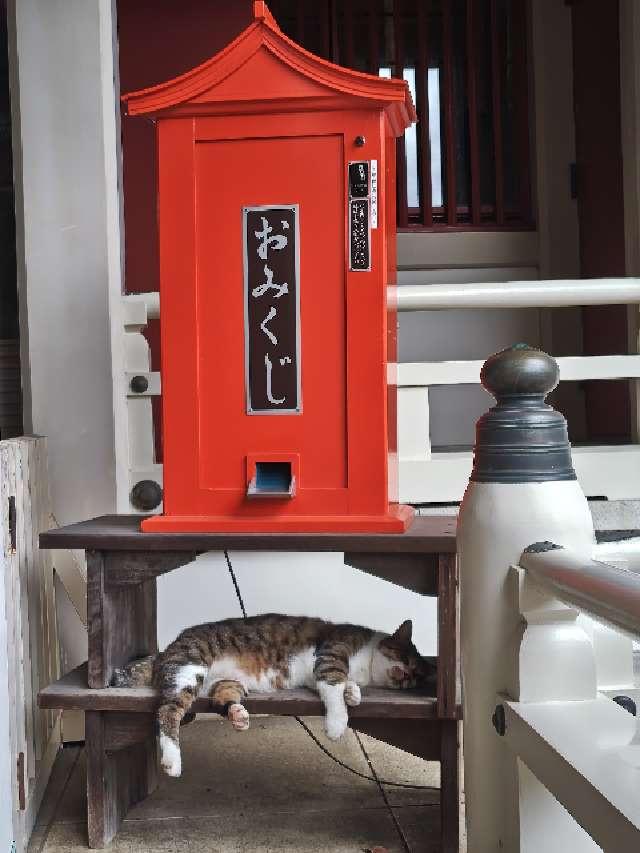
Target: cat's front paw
239, 717
170, 757
335, 724
352, 695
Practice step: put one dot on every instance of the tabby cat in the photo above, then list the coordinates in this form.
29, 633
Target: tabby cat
225, 660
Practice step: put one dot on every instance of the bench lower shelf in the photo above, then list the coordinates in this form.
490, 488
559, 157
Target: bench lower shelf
71, 693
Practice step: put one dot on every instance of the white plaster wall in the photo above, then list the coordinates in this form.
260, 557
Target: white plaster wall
57, 66
62, 248
310, 584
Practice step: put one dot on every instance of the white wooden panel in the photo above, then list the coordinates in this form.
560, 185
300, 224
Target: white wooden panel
139, 308
467, 249
153, 378
584, 754
572, 369
31, 643
612, 471
413, 423
138, 429
465, 275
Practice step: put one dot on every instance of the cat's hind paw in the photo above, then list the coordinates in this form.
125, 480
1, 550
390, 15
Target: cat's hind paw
335, 724
239, 717
352, 695
170, 759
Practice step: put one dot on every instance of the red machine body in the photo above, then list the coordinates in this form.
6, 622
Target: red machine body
276, 200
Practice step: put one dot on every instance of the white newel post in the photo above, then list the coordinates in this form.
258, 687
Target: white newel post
522, 490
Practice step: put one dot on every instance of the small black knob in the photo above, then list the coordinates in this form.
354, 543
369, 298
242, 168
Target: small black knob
146, 495
499, 721
627, 703
360, 141
139, 384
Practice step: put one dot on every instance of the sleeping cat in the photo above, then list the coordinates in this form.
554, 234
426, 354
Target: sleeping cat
225, 660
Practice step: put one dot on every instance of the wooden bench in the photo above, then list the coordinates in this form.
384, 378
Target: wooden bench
122, 567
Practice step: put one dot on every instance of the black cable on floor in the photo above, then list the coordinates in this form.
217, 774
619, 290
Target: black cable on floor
383, 793
373, 778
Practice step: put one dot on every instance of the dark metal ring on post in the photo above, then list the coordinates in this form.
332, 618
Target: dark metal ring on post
521, 439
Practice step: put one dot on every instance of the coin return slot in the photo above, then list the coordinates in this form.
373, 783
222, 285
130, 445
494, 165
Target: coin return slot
272, 480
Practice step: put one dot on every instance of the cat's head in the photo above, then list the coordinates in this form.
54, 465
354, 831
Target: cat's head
398, 664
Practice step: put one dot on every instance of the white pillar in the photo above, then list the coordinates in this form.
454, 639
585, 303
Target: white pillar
522, 490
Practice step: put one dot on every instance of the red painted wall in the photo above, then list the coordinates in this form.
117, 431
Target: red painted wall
158, 40
596, 58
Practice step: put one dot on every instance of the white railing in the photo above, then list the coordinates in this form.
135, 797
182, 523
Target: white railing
583, 747
427, 474
551, 293
137, 310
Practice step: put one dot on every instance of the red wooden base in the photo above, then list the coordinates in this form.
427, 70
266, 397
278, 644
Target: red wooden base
397, 520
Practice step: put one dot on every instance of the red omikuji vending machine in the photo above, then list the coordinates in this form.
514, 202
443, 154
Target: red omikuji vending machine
276, 205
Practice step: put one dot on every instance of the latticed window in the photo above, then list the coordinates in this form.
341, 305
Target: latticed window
466, 163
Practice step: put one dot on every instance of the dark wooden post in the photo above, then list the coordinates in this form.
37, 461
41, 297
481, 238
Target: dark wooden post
121, 618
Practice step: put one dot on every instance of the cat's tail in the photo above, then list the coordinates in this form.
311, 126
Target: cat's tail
137, 673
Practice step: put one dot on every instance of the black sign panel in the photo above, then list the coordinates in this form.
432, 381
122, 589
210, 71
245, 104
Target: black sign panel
272, 315
359, 179
359, 258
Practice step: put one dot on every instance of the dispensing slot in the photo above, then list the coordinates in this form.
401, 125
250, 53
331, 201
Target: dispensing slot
272, 480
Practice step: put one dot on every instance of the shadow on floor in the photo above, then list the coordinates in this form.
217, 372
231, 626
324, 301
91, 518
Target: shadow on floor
268, 789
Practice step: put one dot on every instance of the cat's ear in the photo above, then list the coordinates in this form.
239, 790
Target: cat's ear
403, 633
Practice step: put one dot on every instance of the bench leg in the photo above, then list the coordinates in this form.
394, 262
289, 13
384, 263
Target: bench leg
449, 787
122, 769
122, 620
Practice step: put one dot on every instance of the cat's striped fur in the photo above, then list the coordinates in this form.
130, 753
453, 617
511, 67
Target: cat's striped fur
225, 660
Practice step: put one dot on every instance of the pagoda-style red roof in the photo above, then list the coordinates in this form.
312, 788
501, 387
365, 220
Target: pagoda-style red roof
261, 69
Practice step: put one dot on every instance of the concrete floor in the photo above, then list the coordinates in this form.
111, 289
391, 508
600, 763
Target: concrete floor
268, 789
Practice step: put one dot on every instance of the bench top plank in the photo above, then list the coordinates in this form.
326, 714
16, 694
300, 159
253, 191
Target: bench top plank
426, 535
71, 692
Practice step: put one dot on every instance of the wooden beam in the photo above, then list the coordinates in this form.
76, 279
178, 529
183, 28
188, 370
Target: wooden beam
449, 117
72, 692
121, 622
417, 572
401, 157
422, 106
472, 102
426, 535
497, 53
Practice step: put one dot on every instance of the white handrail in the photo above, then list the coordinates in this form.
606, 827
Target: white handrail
418, 374
516, 294
608, 593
